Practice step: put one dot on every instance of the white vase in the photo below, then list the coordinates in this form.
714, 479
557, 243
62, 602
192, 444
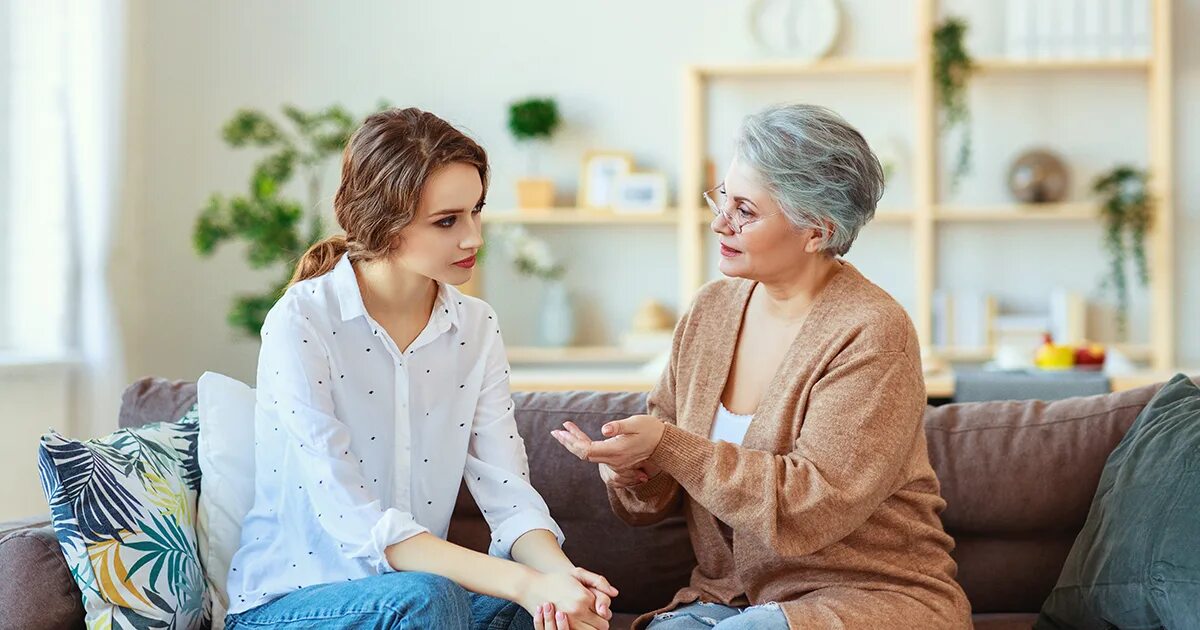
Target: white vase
556, 323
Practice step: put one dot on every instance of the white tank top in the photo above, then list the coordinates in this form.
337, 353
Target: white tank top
729, 426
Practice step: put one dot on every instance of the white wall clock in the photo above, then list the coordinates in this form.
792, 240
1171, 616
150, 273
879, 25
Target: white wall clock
805, 29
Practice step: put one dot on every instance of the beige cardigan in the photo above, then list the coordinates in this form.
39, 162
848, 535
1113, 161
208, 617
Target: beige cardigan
831, 488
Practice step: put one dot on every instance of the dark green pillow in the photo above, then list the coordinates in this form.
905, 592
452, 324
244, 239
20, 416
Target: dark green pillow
1136, 563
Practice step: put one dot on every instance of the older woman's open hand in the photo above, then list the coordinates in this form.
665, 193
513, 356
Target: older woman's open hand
630, 442
580, 443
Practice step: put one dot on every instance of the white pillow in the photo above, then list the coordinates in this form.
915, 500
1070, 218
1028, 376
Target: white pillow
226, 453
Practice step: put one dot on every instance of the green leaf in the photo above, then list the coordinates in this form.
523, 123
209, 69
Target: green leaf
327, 132
277, 167
1127, 211
533, 119
952, 67
272, 225
251, 127
212, 226
302, 120
250, 311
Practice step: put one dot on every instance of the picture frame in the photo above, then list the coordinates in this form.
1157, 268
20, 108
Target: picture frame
640, 193
598, 174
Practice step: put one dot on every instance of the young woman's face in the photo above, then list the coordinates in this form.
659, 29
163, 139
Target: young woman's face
769, 246
443, 238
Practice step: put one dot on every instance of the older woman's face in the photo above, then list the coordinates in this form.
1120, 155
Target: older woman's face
769, 247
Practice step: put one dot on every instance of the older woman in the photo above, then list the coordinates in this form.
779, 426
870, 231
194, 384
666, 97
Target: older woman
788, 425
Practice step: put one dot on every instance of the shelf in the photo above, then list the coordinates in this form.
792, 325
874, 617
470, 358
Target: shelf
893, 216
1132, 351
1081, 211
563, 381
830, 66
1059, 65
940, 384
1135, 351
578, 216
881, 216
559, 380
971, 355
577, 354
843, 66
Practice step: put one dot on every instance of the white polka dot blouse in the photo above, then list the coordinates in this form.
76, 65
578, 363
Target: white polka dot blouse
360, 444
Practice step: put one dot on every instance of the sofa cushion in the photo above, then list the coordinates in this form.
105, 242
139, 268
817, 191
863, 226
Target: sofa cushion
1004, 621
123, 508
1018, 477
1018, 467
647, 564
226, 453
1135, 563
154, 399
36, 589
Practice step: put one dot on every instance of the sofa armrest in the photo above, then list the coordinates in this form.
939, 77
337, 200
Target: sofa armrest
30, 522
36, 588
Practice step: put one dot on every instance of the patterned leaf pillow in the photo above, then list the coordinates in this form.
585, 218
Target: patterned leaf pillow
123, 508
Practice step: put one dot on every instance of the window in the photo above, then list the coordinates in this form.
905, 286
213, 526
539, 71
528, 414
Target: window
36, 253
5, 189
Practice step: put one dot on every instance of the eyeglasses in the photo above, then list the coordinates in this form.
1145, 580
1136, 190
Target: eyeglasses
718, 202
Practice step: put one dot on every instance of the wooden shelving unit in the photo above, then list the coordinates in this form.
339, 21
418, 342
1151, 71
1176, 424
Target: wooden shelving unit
1018, 212
595, 355
579, 216
691, 217
928, 212
1133, 351
831, 66
1060, 65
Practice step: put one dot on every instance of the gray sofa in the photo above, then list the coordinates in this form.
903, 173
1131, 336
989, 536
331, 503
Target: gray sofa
1018, 478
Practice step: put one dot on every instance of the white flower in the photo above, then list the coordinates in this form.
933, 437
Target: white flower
531, 255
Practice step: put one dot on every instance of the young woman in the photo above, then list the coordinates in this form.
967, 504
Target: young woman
380, 387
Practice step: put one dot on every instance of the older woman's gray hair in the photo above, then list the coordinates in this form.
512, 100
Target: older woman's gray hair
819, 168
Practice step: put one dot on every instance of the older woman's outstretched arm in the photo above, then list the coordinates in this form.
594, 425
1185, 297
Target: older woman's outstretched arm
660, 495
651, 501
860, 431
864, 418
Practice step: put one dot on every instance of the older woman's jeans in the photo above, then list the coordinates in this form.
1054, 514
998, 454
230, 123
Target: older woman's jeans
702, 616
400, 601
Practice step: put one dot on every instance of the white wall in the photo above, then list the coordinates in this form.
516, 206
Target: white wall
5, 159
33, 399
615, 69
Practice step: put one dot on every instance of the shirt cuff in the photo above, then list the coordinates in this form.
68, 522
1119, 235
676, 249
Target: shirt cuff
517, 525
393, 527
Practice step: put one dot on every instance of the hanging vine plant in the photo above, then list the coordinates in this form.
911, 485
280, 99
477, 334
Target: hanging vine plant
1127, 210
952, 67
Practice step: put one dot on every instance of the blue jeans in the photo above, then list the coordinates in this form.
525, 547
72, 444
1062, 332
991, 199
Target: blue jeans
703, 615
399, 601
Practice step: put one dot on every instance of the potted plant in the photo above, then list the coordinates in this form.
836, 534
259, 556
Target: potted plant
1127, 210
532, 122
952, 66
277, 228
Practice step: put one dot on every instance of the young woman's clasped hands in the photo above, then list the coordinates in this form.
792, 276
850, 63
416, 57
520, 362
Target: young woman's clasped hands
589, 596
624, 457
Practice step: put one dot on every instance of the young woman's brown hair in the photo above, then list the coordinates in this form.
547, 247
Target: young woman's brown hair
384, 168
